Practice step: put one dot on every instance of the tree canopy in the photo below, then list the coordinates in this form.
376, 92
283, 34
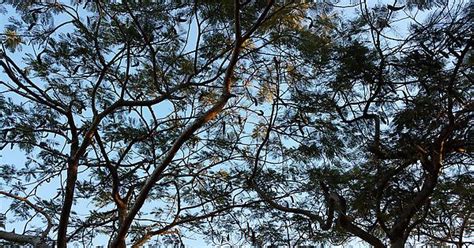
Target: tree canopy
256, 123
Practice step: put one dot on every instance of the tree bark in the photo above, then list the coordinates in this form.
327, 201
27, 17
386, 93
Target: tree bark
398, 242
35, 241
67, 205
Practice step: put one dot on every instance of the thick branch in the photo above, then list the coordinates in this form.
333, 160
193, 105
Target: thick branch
189, 131
34, 240
37, 209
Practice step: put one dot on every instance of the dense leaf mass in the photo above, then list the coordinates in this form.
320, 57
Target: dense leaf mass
258, 123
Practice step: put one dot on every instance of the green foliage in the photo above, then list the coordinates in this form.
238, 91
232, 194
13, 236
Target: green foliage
317, 128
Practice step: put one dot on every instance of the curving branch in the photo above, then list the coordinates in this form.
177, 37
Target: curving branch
34, 240
204, 118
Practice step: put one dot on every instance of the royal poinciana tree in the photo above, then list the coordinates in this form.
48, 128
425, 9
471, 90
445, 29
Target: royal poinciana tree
381, 133
248, 122
115, 106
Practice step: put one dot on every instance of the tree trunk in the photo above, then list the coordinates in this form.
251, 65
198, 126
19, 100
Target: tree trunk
398, 242
67, 205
